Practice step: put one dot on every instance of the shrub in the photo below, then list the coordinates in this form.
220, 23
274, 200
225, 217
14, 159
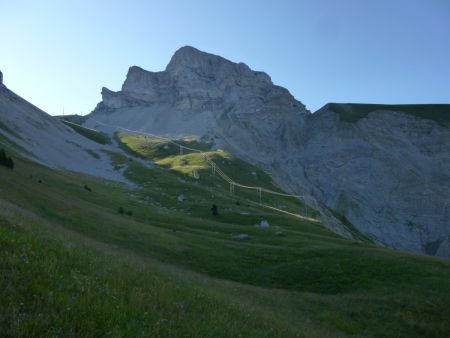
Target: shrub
122, 211
86, 187
214, 210
5, 160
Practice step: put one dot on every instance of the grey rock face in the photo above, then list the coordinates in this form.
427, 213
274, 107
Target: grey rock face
198, 90
388, 173
1, 78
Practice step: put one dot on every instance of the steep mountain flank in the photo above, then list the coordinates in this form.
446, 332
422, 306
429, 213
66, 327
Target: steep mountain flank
388, 173
44, 139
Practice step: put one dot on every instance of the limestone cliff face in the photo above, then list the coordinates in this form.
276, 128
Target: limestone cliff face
198, 81
386, 172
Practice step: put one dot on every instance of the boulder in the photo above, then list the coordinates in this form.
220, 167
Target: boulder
242, 237
263, 224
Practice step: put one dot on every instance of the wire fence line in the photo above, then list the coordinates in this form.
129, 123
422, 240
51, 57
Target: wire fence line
216, 169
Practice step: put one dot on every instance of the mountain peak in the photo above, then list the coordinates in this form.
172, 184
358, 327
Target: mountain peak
188, 50
191, 61
193, 58
198, 81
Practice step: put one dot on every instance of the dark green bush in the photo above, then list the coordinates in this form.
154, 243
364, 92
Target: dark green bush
5, 160
215, 210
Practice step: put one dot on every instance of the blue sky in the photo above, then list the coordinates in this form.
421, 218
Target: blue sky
61, 53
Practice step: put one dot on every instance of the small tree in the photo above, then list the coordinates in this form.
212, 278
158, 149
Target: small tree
214, 210
121, 210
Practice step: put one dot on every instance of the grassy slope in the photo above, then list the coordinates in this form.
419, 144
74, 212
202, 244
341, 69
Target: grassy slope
91, 134
352, 112
167, 155
72, 266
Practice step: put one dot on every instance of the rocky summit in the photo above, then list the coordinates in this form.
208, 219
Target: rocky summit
197, 93
384, 170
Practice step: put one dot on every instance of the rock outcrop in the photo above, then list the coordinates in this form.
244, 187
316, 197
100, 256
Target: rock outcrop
386, 171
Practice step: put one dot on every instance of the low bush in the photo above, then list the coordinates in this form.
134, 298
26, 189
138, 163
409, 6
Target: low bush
122, 211
5, 160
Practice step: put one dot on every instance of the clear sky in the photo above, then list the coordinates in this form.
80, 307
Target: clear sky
61, 53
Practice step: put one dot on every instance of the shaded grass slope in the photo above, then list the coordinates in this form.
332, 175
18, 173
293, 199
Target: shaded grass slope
91, 134
72, 266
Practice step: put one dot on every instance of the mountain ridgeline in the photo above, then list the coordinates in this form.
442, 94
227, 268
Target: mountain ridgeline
383, 169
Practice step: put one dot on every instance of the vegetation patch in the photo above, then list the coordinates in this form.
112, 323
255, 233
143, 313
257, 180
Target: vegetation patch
91, 134
74, 118
353, 112
118, 136
6, 160
93, 153
157, 148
